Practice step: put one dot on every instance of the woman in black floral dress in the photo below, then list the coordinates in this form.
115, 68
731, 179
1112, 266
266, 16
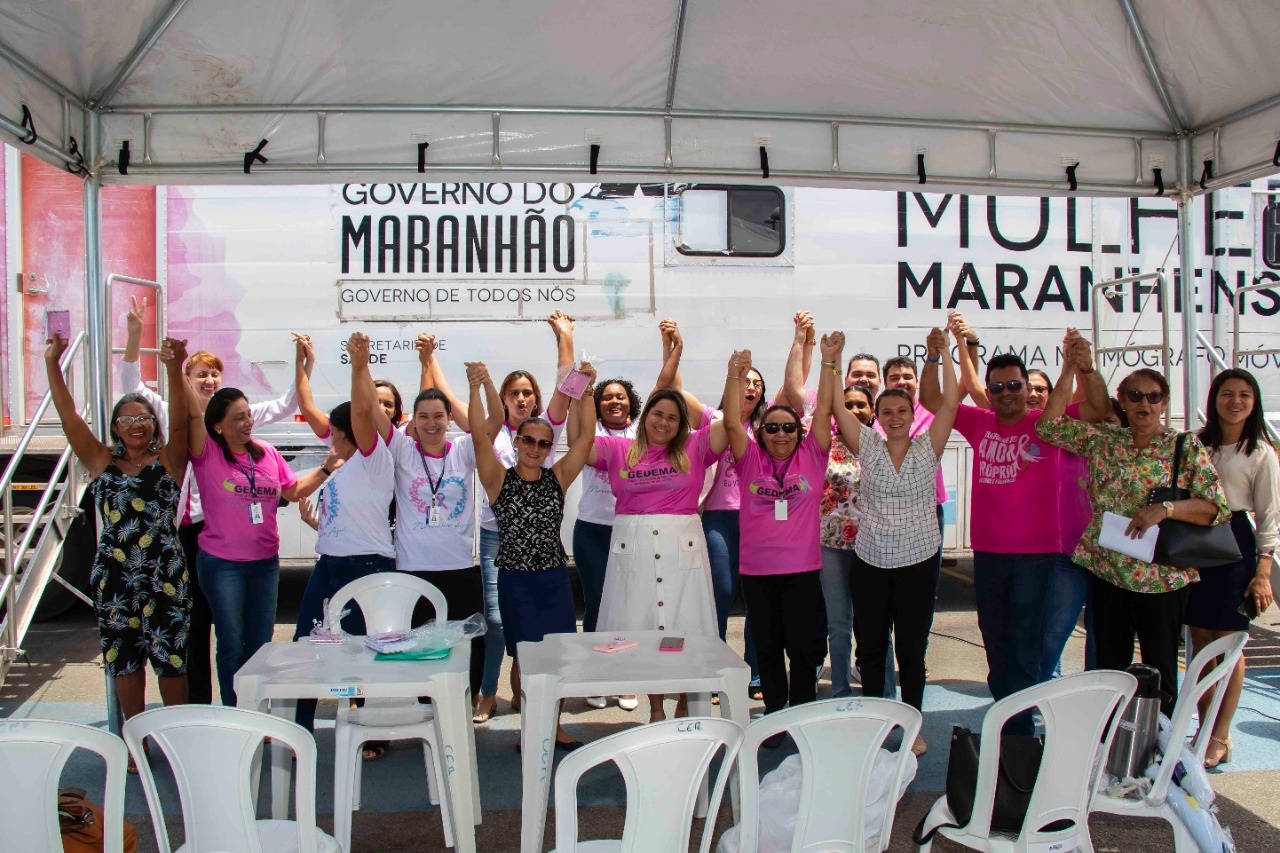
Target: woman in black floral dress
139, 580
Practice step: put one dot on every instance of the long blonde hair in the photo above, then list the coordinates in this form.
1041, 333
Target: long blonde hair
675, 448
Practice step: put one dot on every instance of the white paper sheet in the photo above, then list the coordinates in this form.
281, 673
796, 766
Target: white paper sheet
1113, 538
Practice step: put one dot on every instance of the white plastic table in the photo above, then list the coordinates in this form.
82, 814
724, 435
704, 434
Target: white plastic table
280, 673
564, 665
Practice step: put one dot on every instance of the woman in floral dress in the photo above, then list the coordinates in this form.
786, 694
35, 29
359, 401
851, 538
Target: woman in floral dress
139, 579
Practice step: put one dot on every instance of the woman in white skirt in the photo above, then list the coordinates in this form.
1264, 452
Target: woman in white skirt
659, 577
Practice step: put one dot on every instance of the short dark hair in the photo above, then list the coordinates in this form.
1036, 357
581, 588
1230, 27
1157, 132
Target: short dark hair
893, 392
340, 418
862, 356
1006, 359
899, 361
432, 394
633, 399
1145, 373
1211, 435
1043, 375
216, 411
397, 402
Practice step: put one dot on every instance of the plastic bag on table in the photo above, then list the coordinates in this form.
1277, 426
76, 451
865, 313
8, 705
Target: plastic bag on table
328, 631
431, 641
780, 803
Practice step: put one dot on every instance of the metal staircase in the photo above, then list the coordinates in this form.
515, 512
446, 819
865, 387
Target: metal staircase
33, 536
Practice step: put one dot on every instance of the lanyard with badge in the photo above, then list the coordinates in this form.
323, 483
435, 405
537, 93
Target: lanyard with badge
255, 505
780, 505
435, 515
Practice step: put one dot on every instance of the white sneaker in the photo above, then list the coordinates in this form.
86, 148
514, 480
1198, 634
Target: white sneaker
597, 701
628, 703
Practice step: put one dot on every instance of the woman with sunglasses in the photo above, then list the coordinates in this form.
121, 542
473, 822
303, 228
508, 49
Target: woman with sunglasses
896, 550
659, 576
534, 591
1246, 463
141, 593
1124, 465
781, 557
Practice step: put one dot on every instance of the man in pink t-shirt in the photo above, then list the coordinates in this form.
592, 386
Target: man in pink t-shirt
1028, 510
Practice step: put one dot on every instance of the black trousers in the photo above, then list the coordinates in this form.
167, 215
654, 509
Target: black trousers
900, 600
464, 595
785, 611
200, 626
1154, 617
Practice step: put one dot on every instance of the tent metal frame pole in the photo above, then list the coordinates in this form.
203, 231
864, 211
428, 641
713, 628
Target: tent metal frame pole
1240, 114
17, 131
676, 46
139, 53
41, 76
1187, 291
1153, 67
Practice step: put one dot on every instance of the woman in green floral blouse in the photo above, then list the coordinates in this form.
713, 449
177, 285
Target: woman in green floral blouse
1125, 463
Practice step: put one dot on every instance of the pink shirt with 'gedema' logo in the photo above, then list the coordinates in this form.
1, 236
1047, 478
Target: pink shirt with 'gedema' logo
229, 492
654, 486
772, 545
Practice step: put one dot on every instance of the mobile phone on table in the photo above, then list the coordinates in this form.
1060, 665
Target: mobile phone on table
671, 644
57, 324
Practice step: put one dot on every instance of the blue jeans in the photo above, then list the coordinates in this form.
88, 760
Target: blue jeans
494, 642
1068, 595
1012, 592
330, 575
242, 596
720, 526
591, 557
837, 563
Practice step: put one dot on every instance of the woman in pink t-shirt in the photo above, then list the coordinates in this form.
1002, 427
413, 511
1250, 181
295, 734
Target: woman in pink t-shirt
241, 481
780, 478
658, 577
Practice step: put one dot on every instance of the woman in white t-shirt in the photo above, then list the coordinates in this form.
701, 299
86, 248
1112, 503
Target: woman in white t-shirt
353, 532
520, 399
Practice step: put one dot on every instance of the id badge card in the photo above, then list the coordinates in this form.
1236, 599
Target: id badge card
434, 517
779, 510
255, 513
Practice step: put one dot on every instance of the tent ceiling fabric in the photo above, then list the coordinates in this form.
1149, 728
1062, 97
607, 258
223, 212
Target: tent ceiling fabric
997, 95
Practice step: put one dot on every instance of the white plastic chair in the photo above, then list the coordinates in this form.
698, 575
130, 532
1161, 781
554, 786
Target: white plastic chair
387, 600
1195, 683
211, 751
663, 766
838, 740
1076, 711
32, 756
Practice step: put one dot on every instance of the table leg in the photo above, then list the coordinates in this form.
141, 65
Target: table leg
537, 755
457, 757
734, 705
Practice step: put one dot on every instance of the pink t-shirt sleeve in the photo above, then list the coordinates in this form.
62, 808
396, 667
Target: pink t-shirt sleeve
283, 471
700, 446
608, 448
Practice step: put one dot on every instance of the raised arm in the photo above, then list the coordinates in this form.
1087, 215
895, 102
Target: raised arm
92, 453
562, 324
967, 348
363, 389
1056, 406
672, 349
283, 407
734, 431
174, 453
848, 424
1096, 405
130, 370
582, 445
432, 376
799, 359
304, 352
669, 373
487, 465
945, 417
829, 379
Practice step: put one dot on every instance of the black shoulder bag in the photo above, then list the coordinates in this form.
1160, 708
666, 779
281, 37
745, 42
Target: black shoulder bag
1182, 544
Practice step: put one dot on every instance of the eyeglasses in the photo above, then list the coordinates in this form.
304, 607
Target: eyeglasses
753, 383
788, 428
1136, 396
540, 443
1014, 385
130, 420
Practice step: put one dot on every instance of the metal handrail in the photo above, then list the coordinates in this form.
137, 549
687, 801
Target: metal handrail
1095, 309
1238, 304
6, 480
161, 318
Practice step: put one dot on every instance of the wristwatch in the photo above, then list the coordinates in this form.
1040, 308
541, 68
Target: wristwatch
1168, 509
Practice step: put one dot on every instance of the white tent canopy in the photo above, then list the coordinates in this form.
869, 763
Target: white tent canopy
996, 95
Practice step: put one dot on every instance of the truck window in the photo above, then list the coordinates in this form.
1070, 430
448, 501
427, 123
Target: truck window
738, 221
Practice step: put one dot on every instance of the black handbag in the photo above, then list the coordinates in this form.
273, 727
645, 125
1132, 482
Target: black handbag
1190, 546
1019, 765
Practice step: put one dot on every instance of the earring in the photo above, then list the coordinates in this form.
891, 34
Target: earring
154, 445
117, 448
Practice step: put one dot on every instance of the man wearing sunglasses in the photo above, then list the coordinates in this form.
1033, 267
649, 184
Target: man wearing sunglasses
1028, 511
